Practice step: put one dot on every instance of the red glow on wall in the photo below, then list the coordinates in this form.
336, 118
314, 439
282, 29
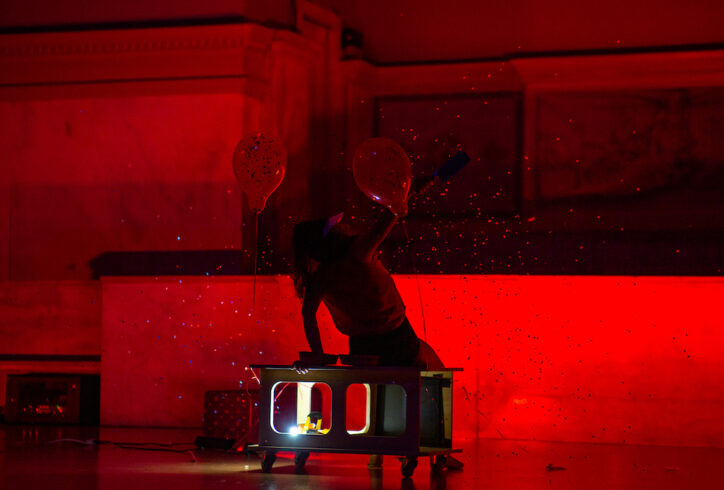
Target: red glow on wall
600, 359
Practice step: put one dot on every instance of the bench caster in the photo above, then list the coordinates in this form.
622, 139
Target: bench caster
409, 463
268, 461
300, 459
437, 463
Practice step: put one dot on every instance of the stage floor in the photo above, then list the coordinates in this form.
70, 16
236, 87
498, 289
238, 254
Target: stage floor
29, 459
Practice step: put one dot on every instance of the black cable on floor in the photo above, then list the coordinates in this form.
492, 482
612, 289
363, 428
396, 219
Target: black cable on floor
141, 446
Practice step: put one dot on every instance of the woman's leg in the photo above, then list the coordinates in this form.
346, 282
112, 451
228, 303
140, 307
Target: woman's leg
427, 358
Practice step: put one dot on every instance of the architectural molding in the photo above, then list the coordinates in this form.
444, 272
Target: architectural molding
117, 42
622, 71
240, 52
589, 72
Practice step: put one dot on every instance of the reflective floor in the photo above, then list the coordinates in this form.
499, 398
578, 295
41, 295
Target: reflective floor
47, 458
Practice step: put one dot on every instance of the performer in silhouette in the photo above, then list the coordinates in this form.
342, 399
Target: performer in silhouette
341, 269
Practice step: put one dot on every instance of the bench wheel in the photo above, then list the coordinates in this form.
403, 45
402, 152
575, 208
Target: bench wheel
437, 463
408, 466
300, 458
268, 461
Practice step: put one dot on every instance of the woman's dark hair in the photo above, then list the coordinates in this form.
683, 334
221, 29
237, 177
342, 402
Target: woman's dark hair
309, 242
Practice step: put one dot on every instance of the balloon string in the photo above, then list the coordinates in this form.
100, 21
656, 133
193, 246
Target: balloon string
256, 245
417, 279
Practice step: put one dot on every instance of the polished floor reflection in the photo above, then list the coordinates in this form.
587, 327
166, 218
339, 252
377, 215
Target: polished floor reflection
60, 458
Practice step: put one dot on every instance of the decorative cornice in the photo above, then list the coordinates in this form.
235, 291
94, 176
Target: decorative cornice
241, 51
554, 73
132, 41
90, 46
621, 71
246, 51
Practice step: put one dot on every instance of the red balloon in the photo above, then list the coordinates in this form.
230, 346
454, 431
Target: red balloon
382, 171
260, 163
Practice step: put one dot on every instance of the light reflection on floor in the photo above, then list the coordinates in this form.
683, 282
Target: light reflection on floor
29, 460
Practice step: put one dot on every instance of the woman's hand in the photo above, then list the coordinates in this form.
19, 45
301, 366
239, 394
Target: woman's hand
399, 209
312, 359
419, 186
301, 367
422, 184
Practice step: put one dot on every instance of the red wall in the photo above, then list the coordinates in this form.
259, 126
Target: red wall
50, 317
599, 359
44, 322
118, 173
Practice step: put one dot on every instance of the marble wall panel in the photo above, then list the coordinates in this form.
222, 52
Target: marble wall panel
131, 173
434, 128
50, 318
629, 143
